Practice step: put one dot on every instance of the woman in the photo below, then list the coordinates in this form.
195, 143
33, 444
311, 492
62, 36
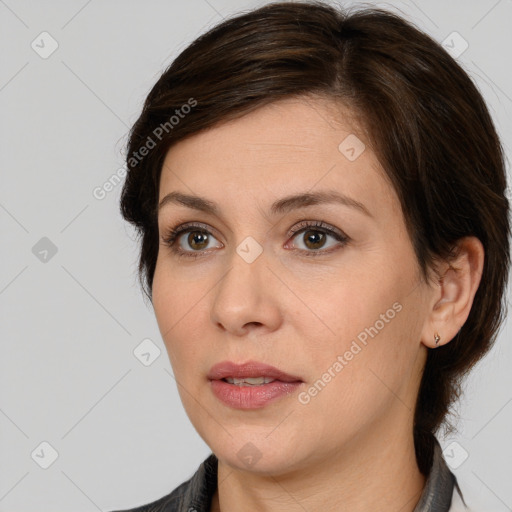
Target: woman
325, 241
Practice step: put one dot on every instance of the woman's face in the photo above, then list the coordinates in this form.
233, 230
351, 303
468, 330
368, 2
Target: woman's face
323, 289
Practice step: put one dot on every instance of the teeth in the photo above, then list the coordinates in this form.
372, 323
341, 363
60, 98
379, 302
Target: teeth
250, 381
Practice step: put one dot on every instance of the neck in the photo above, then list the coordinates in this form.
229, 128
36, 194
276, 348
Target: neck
372, 473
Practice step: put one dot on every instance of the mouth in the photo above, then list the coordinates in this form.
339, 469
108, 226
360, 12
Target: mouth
249, 381
251, 385
251, 373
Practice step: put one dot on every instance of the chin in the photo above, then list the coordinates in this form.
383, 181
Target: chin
259, 457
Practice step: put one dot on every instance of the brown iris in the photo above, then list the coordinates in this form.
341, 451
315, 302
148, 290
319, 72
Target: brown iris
197, 239
315, 239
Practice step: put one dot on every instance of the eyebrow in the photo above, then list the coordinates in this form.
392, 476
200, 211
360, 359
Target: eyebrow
280, 206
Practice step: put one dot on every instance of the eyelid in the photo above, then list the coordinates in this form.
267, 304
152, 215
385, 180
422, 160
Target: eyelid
319, 224
171, 235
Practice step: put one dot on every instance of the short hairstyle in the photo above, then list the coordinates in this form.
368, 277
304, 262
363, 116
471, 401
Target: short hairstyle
424, 118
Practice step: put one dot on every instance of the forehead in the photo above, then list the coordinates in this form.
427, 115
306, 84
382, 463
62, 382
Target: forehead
285, 129
289, 146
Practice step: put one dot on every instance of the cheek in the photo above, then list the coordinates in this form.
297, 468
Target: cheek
345, 307
363, 334
178, 308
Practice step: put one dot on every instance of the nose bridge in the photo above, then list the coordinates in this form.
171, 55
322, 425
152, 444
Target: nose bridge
240, 289
242, 296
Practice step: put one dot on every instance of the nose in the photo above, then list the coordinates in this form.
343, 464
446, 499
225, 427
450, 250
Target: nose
247, 297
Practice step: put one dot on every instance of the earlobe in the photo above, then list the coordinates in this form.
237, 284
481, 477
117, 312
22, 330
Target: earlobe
453, 298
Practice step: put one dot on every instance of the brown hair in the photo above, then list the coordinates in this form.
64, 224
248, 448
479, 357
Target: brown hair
426, 122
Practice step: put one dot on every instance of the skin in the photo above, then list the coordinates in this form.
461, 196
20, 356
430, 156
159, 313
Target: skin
351, 447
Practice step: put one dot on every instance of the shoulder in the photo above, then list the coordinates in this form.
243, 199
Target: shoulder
169, 503
194, 493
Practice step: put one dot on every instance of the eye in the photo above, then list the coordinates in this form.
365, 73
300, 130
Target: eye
312, 242
197, 240
314, 235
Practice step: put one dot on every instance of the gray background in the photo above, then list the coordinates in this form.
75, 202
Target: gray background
70, 321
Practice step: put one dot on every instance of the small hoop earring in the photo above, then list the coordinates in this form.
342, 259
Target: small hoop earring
437, 338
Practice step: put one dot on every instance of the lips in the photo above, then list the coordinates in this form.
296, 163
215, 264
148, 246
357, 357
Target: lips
250, 369
238, 394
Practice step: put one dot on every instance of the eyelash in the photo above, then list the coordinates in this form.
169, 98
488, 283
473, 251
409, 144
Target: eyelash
172, 235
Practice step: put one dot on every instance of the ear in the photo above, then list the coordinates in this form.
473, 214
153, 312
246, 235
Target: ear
453, 295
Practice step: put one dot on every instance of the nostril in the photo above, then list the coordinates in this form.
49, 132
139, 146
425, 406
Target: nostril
257, 324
